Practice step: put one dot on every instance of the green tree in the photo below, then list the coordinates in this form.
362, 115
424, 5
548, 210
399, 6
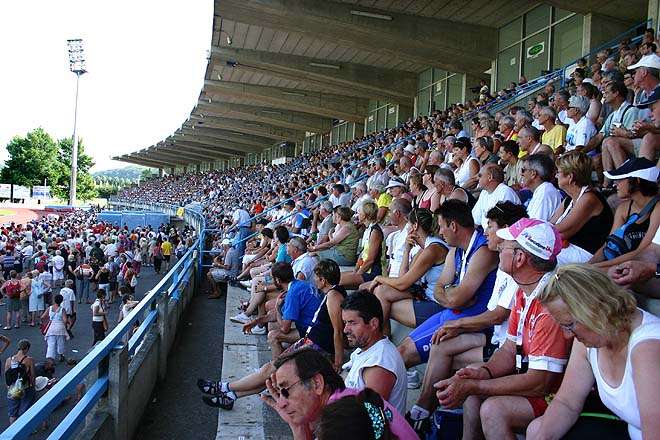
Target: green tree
32, 159
85, 189
146, 174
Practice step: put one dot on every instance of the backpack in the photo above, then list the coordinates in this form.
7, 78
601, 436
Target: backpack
16, 373
616, 244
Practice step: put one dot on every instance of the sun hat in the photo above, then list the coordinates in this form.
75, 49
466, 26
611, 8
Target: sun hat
639, 167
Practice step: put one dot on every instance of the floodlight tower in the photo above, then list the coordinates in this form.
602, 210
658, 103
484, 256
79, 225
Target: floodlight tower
77, 66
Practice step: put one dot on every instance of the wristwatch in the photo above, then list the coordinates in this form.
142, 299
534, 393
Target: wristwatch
657, 271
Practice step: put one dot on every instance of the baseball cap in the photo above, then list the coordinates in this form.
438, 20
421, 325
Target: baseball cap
409, 149
226, 242
647, 61
653, 97
535, 236
639, 167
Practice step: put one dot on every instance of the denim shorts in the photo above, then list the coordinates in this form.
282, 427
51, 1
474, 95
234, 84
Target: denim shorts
16, 408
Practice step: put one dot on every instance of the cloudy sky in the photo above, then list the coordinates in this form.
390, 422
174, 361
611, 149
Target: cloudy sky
145, 60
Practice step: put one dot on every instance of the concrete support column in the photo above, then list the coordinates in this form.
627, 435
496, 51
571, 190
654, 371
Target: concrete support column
654, 13
161, 172
599, 29
117, 400
162, 304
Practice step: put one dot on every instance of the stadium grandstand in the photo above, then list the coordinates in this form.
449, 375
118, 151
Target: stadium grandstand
486, 171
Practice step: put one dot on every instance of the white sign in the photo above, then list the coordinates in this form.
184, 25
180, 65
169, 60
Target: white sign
512, 61
21, 192
41, 192
5, 190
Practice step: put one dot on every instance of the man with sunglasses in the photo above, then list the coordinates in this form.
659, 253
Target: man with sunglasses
514, 387
304, 383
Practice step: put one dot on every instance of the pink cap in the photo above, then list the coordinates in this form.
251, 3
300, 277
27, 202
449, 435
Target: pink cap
535, 236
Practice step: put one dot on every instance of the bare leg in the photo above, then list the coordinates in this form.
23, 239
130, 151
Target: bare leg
650, 145
351, 280
276, 337
503, 416
253, 383
472, 419
409, 352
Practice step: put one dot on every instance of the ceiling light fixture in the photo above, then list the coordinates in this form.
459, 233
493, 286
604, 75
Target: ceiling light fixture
325, 66
371, 15
219, 77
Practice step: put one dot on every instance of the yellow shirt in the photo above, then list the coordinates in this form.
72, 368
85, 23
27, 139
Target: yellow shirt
554, 138
167, 248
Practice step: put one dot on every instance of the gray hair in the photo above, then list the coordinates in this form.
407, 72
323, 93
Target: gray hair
508, 120
451, 139
361, 186
377, 186
524, 115
542, 164
549, 111
580, 103
298, 243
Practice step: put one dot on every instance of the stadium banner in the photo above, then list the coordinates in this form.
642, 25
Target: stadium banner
41, 192
180, 212
21, 192
5, 190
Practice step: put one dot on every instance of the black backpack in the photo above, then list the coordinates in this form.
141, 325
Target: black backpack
13, 373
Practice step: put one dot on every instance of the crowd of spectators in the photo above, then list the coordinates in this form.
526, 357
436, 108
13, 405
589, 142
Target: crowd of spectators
508, 251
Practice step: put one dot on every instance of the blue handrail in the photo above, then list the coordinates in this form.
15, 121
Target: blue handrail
30, 420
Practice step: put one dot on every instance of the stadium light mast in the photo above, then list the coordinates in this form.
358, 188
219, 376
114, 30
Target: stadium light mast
77, 66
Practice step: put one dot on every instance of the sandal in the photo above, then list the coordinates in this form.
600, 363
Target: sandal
223, 401
212, 387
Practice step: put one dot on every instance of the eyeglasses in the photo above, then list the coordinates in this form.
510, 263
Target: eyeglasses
284, 391
571, 108
501, 247
569, 327
524, 170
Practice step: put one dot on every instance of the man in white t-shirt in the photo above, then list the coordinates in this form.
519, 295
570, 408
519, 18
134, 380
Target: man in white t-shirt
376, 362
68, 304
491, 181
396, 241
537, 174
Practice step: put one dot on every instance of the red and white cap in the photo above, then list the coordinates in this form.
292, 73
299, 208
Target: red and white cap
535, 236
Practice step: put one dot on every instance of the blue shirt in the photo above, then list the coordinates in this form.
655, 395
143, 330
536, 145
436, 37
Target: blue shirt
301, 303
282, 256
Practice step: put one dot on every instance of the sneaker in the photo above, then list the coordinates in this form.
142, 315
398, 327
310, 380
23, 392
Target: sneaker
256, 330
421, 427
247, 283
413, 380
223, 400
241, 318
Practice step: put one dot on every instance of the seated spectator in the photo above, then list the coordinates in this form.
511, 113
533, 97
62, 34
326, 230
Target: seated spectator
321, 230
582, 129
584, 218
587, 90
466, 173
537, 176
465, 284
554, 135
225, 267
616, 125
302, 263
456, 341
529, 140
642, 139
493, 190
483, 149
511, 389
382, 199
339, 197
302, 409
324, 334
407, 296
343, 239
371, 261
616, 349
445, 186
364, 416
634, 221
430, 199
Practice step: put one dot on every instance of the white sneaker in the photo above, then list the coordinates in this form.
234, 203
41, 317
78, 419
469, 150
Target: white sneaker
256, 330
413, 380
246, 283
241, 318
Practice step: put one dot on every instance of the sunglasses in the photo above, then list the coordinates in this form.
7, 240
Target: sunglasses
284, 392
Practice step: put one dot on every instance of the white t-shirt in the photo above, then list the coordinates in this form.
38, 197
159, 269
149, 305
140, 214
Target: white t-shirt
68, 296
580, 133
383, 354
488, 200
544, 202
305, 264
504, 290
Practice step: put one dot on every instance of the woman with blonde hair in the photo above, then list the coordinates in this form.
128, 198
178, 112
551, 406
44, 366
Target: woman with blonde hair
616, 349
584, 218
371, 261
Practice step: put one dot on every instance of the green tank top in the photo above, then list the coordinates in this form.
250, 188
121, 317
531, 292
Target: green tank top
348, 247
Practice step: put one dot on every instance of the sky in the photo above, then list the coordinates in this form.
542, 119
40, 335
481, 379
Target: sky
145, 60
